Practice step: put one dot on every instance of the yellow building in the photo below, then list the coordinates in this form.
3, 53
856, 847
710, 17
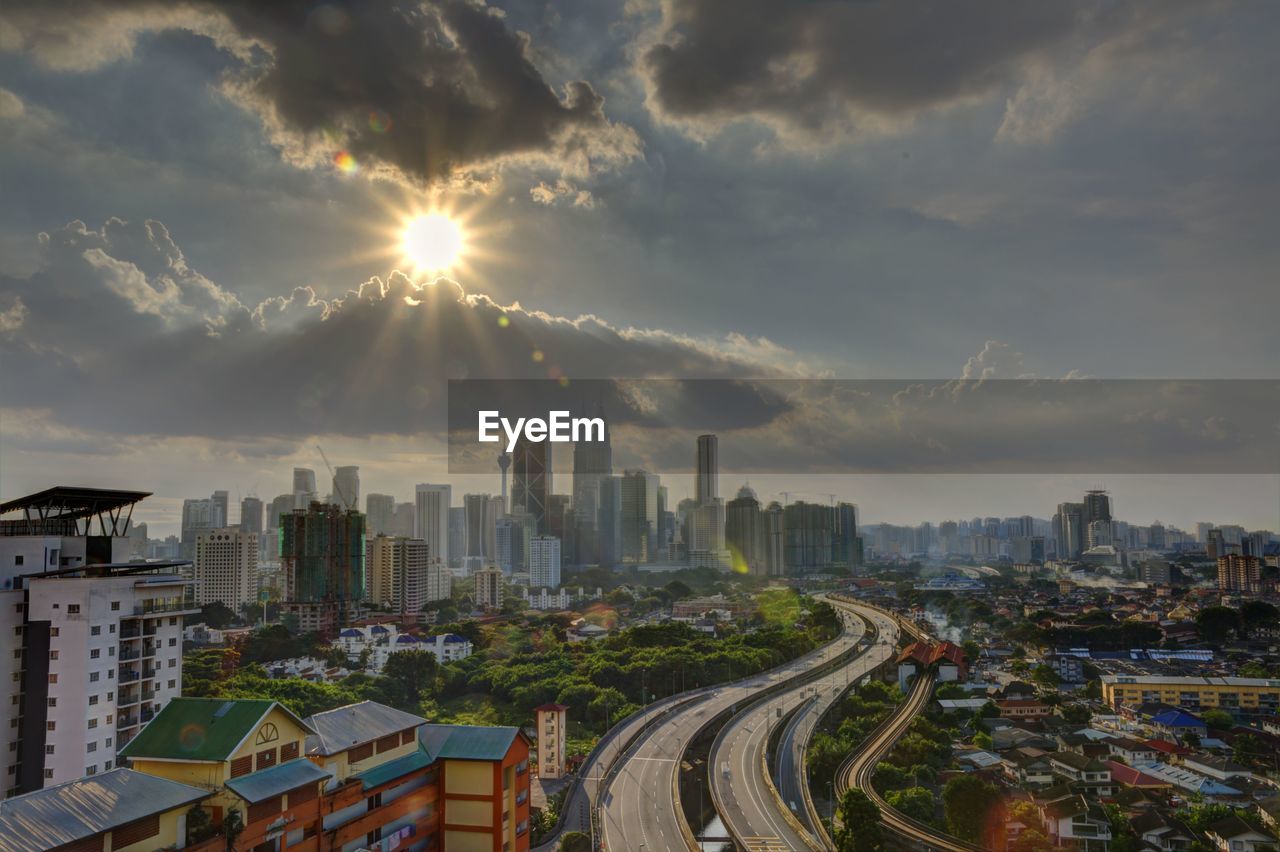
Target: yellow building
1242, 696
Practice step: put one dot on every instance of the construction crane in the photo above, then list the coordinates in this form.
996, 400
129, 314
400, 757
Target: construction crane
337, 486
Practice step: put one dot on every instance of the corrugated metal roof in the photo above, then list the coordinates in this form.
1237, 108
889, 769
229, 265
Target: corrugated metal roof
340, 729
392, 769
55, 816
467, 742
277, 780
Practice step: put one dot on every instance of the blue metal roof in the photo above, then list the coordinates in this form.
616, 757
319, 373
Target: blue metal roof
277, 780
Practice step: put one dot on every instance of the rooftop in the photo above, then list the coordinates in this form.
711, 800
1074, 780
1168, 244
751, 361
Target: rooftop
467, 742
71, 510
201, 729
343, 727
78, 810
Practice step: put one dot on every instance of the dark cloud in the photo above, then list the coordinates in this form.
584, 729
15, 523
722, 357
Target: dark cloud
835, 64
427, 91
118, 332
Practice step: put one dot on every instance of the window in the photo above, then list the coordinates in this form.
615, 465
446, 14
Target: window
173, 641
95, 630
93, 677
115, 606
53, 702
173, 662
111, 628
17, 653
106, 743
48, 749
51, 726
91, 770
73, 609
95, 653
173, 621
17, 560
241, 766
53, 677
48, 773
53, 655
173, 684
92, 747
93, 723
93, 699
111, 651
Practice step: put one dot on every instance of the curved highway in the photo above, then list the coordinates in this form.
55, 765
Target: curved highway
748, 803
857, 770
640, 807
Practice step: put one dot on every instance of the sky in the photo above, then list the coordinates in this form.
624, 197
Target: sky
202, 277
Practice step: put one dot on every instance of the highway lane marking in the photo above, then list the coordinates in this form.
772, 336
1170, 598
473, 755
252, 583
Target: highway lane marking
656, 759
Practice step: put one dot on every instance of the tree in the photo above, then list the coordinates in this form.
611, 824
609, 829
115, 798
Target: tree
859, 824
1077, 714
914, 802
410, 672
575, 841
1217, 623
1246, 749
232, 826
1255, 614
966, 801
1046, 676
1220, 719
199, 825
216, 615
982, 740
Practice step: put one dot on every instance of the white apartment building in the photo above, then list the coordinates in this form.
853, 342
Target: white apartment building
396, 573
92, 645
544, 562
226, 568
383, 640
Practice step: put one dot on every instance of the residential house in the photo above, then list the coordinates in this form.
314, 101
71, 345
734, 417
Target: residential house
1073, 822
1233, 834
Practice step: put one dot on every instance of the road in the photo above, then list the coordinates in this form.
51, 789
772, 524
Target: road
789, 766
640, 808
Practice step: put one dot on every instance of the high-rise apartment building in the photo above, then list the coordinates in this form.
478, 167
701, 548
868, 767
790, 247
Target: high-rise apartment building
226, 568
93, 643
322, 551
774, 541
399, 572
431, 518
251, 515
807, 536
512, 543
487, 588
1069, 530
544, 562
481, 513
1239, 574
280, 505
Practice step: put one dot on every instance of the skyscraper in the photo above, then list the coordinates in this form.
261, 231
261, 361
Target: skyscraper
481, 513
744, 532
280, 505
380, 510
1239, 573
707, 485
592, 464
531, 483
251, 515
1097, 507
1069, 530
197, 516
346, 487
304, 487
639, 516
431, 519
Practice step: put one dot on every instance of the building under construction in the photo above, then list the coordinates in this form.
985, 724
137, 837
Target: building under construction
322, 552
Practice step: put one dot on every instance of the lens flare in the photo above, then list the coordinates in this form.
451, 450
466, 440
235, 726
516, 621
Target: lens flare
379, 121
346, 163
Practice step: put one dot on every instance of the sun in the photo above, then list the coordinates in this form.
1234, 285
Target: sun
433, 242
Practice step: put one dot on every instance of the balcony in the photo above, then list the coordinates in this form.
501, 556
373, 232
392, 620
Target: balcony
146, 716
126, 720
148, 649
148, 695
127, 653
129, 630
128, 675
148, 673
